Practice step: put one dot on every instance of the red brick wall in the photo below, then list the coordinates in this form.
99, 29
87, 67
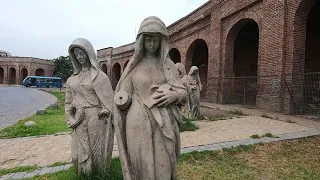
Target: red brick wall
281, 49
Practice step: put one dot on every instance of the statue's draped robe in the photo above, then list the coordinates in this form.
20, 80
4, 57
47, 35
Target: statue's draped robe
90, 90
148, 137
195, 88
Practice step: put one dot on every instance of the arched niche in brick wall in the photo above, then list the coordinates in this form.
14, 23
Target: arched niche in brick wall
12, 76
241, 63
40, 72
306, 58
116, 74
23, 74
304, 21
175, 55
197, 55
312, 54
1, 75
104, 68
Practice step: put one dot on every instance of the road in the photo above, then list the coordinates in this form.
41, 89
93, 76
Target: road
18, 103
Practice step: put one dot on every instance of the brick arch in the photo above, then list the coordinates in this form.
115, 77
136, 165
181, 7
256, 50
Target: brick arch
198, 55
23, 73
241, 58
1, 75
12, 75
175, 55
116, 73
300, 28
104, 68
232, 34
305, 48
40, 72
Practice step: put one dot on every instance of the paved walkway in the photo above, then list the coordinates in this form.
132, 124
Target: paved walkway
301, 120
215, 146
18, 103
44, 151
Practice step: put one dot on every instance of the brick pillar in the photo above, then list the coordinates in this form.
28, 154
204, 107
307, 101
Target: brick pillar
214, 61
18, 75
5, 75
271, 51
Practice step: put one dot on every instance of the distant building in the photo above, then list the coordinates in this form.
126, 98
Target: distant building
4, 53
14, 69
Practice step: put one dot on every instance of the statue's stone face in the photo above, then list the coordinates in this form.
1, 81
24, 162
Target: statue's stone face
152, 42
80, 55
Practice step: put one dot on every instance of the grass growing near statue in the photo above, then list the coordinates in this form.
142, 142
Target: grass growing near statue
50, 123
188, 125
54, 122
292, 159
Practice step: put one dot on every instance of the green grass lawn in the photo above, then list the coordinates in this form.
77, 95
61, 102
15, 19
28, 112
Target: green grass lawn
53, 122
50, 123
18, 169
292, 159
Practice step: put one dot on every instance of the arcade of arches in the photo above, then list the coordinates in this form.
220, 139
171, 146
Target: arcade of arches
14, 69
246, 53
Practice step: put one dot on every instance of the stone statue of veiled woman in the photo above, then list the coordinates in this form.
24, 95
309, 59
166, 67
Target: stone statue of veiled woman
184, 78
147, 116
195, 88
88, 109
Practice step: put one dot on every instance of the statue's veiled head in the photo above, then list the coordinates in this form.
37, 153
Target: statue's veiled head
194, 70
152, 37
81, 55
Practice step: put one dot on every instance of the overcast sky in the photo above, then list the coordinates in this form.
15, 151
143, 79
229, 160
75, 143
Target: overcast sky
45, 28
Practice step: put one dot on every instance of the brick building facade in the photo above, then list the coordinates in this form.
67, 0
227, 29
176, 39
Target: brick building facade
14, 69
266, 46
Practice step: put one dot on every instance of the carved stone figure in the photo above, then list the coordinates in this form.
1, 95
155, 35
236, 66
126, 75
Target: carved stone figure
147, 115
194, 93
185, 81
88, 110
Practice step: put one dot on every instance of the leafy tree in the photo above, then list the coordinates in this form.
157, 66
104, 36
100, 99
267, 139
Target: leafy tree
63, 67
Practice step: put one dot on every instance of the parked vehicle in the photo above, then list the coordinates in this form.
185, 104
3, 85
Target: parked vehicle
42, 81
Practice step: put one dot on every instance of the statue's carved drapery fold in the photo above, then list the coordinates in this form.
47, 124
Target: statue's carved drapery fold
184, 78
88, 109
147, 113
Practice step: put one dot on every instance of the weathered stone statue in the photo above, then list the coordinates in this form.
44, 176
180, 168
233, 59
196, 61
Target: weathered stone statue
88, 109
194, 93
147, 114
185, 81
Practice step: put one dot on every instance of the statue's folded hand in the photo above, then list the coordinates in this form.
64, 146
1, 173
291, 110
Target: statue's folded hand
165, 97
